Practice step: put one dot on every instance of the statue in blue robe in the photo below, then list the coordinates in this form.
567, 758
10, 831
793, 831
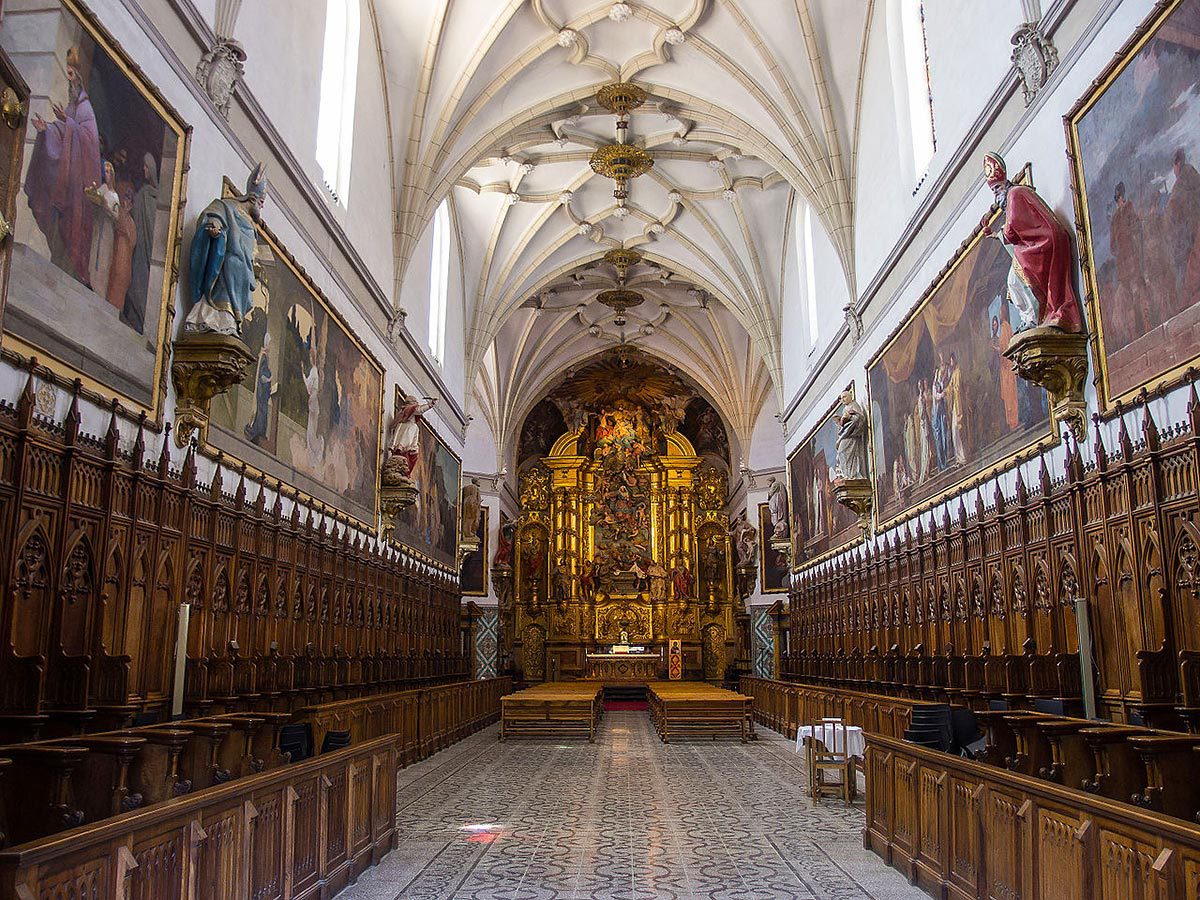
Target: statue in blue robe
222, 260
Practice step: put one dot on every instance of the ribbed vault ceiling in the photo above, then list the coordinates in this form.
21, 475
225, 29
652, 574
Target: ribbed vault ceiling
750, 103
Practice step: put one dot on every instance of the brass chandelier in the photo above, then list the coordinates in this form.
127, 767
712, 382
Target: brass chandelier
621, 298
621, 161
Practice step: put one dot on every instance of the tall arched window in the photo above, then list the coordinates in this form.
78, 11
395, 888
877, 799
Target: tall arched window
339, 82
439, 281
910, 72
808, 273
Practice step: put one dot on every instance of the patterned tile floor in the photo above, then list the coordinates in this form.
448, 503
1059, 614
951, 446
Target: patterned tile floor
626, 818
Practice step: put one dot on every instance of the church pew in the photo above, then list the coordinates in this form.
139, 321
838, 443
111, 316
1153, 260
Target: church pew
567, 709
1071, 760
40, 786
200, 762
699, 709
1171, 783
102, 779
296, 831
155, 772
963, 829
1120, 773
1033, 751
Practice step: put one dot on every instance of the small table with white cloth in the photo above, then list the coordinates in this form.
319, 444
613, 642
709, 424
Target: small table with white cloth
856, 742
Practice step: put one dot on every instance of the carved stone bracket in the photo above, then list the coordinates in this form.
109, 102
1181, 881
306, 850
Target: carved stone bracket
397, 492
744, 579
857, 496
204, 364
1056, 361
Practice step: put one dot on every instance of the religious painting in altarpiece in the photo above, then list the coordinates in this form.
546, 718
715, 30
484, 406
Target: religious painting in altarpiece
310, 410
96, 231
430, 525
774, 563
1135, 145
946, 407
820, 525
473, 574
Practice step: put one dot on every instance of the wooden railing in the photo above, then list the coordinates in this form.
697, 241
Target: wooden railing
963, 829
784, 705
427, 719
298, 831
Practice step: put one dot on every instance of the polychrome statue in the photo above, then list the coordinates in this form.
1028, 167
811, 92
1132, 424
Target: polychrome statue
222, 260
1040, 282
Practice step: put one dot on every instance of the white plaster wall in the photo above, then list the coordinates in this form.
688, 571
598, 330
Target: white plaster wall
1088, 39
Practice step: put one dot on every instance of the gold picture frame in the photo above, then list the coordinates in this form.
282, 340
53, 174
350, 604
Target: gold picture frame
846, 535
56, 360
1039, 439
1155, 381
764, 547
222, 439
482, 552
403, 533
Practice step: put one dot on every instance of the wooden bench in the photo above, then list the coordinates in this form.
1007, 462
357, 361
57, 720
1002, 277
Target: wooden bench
560, 709
699, 709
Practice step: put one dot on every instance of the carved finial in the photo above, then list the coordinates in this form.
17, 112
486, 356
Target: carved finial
218, 478
139, 442
1022, 490
74, 419
998, 497
112, 437
1149, 428
28, 399
188, 475
1193, 405
1098, 449
1123, 439
239, 496
1044, 477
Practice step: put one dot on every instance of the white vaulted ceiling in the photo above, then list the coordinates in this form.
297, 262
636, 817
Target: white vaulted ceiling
752, 103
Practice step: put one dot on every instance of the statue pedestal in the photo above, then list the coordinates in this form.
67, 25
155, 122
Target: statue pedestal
1057, 361
203, 365
856, 495
396, 492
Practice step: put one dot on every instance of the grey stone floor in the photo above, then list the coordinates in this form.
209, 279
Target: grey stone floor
626, 818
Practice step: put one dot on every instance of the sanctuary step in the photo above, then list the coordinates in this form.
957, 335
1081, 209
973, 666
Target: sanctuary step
625, 693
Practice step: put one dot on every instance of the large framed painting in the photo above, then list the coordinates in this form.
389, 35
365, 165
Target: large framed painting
1135, 144
310, 410
96, 231
946, 407
774, 564
430, 525
473, 574
820, 525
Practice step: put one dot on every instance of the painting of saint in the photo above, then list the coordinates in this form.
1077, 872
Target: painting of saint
473, 574
309, 409
543, 426
945, 404
101, 193
774, 563
1135, 140
431, 524
702, 426
820, 525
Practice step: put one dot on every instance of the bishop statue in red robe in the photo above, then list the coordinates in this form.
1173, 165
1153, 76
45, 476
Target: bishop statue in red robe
1040, 283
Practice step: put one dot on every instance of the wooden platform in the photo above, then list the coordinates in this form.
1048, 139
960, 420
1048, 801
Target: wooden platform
697, 708
555, 709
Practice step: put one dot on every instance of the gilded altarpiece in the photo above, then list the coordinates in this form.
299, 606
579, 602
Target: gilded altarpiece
622, 539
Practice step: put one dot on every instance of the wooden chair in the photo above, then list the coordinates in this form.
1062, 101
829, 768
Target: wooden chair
830, 755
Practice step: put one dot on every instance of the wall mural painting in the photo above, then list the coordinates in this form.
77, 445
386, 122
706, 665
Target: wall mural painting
473, 575
702, 426
820, 525
431, 524
96, 230
543, 426
774, 563
310, 409
946, 407
1135, 142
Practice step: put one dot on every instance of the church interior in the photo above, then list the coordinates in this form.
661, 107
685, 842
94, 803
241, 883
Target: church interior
600, 449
